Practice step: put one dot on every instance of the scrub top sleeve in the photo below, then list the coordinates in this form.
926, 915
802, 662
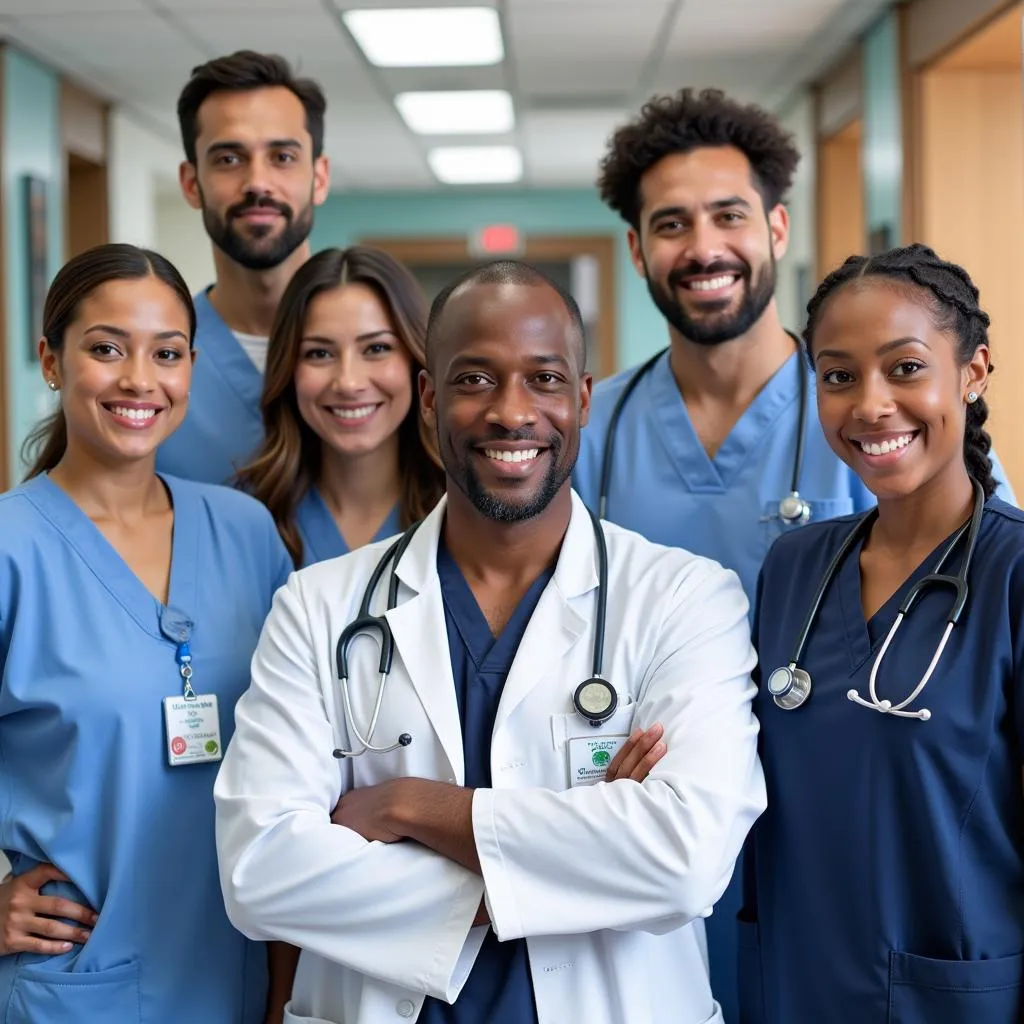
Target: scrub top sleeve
1003, 488
399, 913
667, 847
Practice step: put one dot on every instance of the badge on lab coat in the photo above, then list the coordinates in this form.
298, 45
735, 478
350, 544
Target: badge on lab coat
193, 729
589, 758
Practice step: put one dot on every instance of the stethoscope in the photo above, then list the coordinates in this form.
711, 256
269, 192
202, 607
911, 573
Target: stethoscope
790, 686
793, 509
595, 699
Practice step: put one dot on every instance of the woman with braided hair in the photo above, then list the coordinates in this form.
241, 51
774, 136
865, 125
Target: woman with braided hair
885, 882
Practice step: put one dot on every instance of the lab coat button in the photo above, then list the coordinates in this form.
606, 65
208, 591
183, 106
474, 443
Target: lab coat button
406, 1008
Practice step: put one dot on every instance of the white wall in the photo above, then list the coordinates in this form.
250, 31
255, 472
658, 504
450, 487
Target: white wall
796, 280
181, 238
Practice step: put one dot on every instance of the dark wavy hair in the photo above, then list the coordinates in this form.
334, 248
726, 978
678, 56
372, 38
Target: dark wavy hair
952, 301
692, 120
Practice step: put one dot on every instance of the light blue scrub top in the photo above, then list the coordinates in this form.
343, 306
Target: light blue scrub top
321, 538
223, 426
87, 656
665, 487
885, 881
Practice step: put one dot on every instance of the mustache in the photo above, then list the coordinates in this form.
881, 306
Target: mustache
522, 434
680, 274
262, 203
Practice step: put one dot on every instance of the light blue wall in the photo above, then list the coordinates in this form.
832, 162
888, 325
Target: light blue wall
30, 145
882, 139
345, 219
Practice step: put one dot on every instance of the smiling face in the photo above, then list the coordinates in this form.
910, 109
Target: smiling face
353, 379
124, 369
891, 387
508, 396
255, 178
705, 245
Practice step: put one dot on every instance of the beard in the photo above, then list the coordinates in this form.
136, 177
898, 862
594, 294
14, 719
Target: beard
257, 250
460, 469
715, 326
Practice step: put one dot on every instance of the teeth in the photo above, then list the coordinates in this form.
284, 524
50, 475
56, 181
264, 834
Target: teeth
133, 414
723, 281
517, 456
885, 447
353, 414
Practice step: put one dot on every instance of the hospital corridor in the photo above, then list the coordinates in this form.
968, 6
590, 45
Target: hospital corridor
510, 511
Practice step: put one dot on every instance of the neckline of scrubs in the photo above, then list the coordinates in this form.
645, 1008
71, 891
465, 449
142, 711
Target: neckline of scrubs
217, 342
714, 476
111, 569
321, 536
863, 636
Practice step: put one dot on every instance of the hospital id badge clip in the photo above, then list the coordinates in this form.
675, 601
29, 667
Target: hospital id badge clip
192, 721
589, 758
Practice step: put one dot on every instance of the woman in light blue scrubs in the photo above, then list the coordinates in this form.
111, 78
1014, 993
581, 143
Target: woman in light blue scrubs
347, 457
130, 605
885, 882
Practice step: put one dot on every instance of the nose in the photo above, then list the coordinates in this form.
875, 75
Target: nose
512, 406
350, 378
258, 178
137, 376
873, 399
704, 242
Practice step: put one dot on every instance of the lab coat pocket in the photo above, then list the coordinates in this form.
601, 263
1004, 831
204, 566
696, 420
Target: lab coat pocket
925, 991
66, 997
750, 983
294, 1018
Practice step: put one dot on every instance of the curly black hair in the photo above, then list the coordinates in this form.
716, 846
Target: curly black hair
692, 120
952, 299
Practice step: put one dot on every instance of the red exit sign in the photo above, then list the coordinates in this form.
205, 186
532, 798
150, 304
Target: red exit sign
497, 240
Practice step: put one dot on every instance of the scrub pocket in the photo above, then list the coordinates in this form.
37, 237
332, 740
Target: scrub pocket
821, 509
924, 991
39, 996
751, 988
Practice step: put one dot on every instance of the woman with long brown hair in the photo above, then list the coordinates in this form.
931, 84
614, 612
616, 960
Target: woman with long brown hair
347, 457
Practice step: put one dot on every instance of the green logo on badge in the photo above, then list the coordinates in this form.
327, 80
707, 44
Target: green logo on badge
211, 746
601, 758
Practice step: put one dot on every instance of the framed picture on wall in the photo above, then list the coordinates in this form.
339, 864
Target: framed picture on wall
36, 253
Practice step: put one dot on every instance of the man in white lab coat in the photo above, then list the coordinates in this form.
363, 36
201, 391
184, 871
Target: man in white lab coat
482, 870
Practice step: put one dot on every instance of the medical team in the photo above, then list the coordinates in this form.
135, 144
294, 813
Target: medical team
526, 801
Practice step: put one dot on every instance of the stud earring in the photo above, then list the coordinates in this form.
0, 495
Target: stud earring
52, 385
972, 397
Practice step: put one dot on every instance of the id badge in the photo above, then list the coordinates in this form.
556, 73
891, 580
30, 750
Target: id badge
192, 729
589, 758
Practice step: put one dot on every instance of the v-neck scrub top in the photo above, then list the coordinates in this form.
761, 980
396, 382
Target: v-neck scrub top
321, 538
885, 882
87, 656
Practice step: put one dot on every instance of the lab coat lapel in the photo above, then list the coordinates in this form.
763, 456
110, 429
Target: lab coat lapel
421, 639
559, 620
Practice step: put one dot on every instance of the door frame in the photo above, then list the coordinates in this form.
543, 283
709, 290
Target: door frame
440, 249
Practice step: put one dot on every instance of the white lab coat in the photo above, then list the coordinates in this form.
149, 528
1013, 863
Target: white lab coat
607, 882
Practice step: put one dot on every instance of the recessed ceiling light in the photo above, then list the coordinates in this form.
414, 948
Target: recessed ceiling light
420, 37
476, 165
487, 111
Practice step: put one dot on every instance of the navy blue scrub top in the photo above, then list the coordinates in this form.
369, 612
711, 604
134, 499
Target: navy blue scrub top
885, 881
499, 989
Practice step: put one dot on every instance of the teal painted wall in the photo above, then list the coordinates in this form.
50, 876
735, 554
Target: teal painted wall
30, 145
344, 219
882, 140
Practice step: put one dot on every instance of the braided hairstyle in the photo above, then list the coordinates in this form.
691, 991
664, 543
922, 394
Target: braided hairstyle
953, 306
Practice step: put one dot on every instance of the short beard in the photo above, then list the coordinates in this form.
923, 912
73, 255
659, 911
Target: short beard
242, 250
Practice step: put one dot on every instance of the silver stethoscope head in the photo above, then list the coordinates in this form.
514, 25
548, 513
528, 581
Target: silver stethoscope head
789, 686
793, 509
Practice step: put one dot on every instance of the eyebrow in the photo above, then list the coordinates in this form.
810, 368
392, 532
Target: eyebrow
714, 207
120, 332
546, 359
368, 336
889, 346
231, 145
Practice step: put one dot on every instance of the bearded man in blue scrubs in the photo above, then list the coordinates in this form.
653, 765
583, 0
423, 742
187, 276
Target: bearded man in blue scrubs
254, 165
707, 445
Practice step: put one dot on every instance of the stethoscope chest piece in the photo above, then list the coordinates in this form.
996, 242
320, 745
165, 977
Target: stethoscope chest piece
793, 509
789, 686
595, 700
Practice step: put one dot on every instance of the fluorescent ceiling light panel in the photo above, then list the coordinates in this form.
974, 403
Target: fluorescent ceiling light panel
485, 111
476, 165
426, 37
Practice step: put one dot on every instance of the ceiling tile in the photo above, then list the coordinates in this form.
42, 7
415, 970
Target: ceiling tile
564, 147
